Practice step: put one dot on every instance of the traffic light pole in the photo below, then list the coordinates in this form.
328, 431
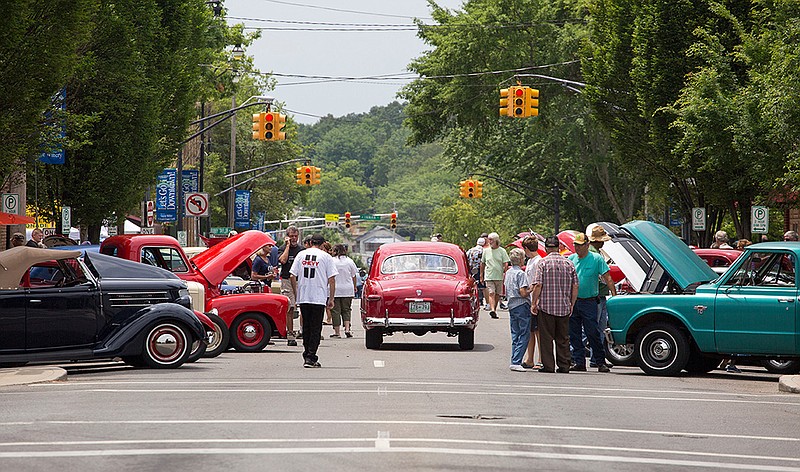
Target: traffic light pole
555, 192
269, 167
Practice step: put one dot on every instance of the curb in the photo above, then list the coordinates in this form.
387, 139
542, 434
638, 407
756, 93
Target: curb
789, 383
31, 375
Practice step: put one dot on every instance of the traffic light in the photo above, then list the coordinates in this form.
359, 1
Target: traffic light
347, 219
505, 110
308, 175
258, 126
317, 175
531, 102
478, 189
393, 220
300, 176
518, 102
463, 189
273, 124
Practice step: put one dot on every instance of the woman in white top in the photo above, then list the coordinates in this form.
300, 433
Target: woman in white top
345, 290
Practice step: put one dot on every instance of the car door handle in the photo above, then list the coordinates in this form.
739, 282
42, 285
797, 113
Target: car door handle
35, 301
785, 300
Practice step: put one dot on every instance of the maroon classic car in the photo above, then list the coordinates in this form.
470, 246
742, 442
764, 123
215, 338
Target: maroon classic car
419, 287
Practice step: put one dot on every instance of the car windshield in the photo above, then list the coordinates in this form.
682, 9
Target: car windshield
419, 263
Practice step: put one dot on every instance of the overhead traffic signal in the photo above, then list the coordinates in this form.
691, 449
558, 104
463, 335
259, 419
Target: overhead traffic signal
273, 126
316, 178
519, 102
300, 176
347, 219
258, 126
463, 188
471, 188
478, 189
393, 220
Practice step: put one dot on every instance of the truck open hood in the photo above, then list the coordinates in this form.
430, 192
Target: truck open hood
218, 261
673, 255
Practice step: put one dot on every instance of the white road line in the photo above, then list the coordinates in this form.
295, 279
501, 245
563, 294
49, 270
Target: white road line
81, 383
395, 450
378, 363
458, 424
230, 391
382, 442
198, 441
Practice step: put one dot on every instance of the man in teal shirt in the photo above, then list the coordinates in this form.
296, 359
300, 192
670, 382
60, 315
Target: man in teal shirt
590, 267
494, 263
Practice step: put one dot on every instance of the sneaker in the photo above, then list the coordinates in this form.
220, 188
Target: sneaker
334, 335
603, 368
516, 368
560, 370
487, 307
503, 306
733, 369
580, 368
527, 366
493, 314
308, 365
291, 342
317, 365
348, 334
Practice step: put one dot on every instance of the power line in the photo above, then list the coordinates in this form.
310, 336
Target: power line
391, 27
341, 10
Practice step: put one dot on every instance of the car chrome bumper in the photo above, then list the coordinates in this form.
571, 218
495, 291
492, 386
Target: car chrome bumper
389, 321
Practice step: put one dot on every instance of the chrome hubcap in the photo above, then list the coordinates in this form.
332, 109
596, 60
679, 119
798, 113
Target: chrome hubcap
661, 350
249, 332
166, 344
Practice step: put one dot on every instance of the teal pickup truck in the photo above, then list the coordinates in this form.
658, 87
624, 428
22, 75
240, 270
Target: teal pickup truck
687, 317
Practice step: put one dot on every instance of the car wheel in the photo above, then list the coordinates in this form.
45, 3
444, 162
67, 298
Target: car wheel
466, 339
198, 349
250, 332
374, 338
700, 364
166, 346
776, 366
661, 349
220, 339
620, 354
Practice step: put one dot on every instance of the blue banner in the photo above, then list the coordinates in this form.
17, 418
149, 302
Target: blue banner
166, 195
241, 208
55, 152
259, 223
191, 181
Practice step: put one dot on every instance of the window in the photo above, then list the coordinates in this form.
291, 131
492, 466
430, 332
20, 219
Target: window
419, 263
164, 257
765, 269
61, 273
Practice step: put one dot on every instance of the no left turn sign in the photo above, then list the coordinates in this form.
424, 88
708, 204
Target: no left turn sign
197, 204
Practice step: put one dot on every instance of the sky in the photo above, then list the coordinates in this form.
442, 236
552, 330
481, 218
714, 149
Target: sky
354, 54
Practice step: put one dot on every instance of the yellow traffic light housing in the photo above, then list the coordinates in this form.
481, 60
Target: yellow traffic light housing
393, 221
531, 102
300, 176
504, 108
462, 192
478, 189
258, 126
273, 126
308, 175
518, 102
317, 176
347, 219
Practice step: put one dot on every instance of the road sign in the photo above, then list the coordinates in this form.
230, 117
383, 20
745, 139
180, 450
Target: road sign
150, 212
182, 238
331, 220
196, 204
220, 230
759, 219
112, 231
66, 219
698, 219
11, 203
369, 217
147, 231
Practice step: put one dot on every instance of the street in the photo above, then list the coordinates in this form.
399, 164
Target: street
419, 403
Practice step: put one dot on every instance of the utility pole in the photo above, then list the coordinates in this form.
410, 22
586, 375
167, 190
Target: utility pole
232, 195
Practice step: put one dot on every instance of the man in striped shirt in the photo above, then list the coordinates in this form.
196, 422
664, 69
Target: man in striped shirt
554, 291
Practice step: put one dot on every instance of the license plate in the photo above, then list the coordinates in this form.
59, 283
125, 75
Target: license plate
419, 307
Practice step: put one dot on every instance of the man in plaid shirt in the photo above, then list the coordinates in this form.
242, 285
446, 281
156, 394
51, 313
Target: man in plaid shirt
554, 291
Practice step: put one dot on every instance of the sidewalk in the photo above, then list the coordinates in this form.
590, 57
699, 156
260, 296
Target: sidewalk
31, 375
789, 383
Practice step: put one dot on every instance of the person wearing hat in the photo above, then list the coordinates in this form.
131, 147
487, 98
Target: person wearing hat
597, 237
474, 258
590, 267
17, 240
313, 278
554, 288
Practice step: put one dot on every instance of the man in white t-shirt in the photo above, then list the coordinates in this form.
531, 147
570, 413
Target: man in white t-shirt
313, 277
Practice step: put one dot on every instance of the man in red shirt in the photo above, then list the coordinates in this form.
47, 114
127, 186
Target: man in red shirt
554, 291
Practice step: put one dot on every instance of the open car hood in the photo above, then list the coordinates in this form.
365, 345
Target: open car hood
218, 261
673, 255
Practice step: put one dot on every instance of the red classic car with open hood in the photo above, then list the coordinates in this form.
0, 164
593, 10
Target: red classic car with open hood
250, 319
419, 287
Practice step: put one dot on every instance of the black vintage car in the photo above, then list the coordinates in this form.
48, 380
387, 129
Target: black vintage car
58, 306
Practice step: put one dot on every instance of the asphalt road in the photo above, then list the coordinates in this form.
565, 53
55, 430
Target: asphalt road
417, 404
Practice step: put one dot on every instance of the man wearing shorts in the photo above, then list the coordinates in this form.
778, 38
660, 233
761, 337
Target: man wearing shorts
286, 256
494, 263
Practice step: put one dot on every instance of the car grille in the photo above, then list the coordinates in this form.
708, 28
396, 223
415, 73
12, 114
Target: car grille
138, 298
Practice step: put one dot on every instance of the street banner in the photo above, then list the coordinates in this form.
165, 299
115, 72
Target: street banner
190, 181
241, 209
166, 195
54, 153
